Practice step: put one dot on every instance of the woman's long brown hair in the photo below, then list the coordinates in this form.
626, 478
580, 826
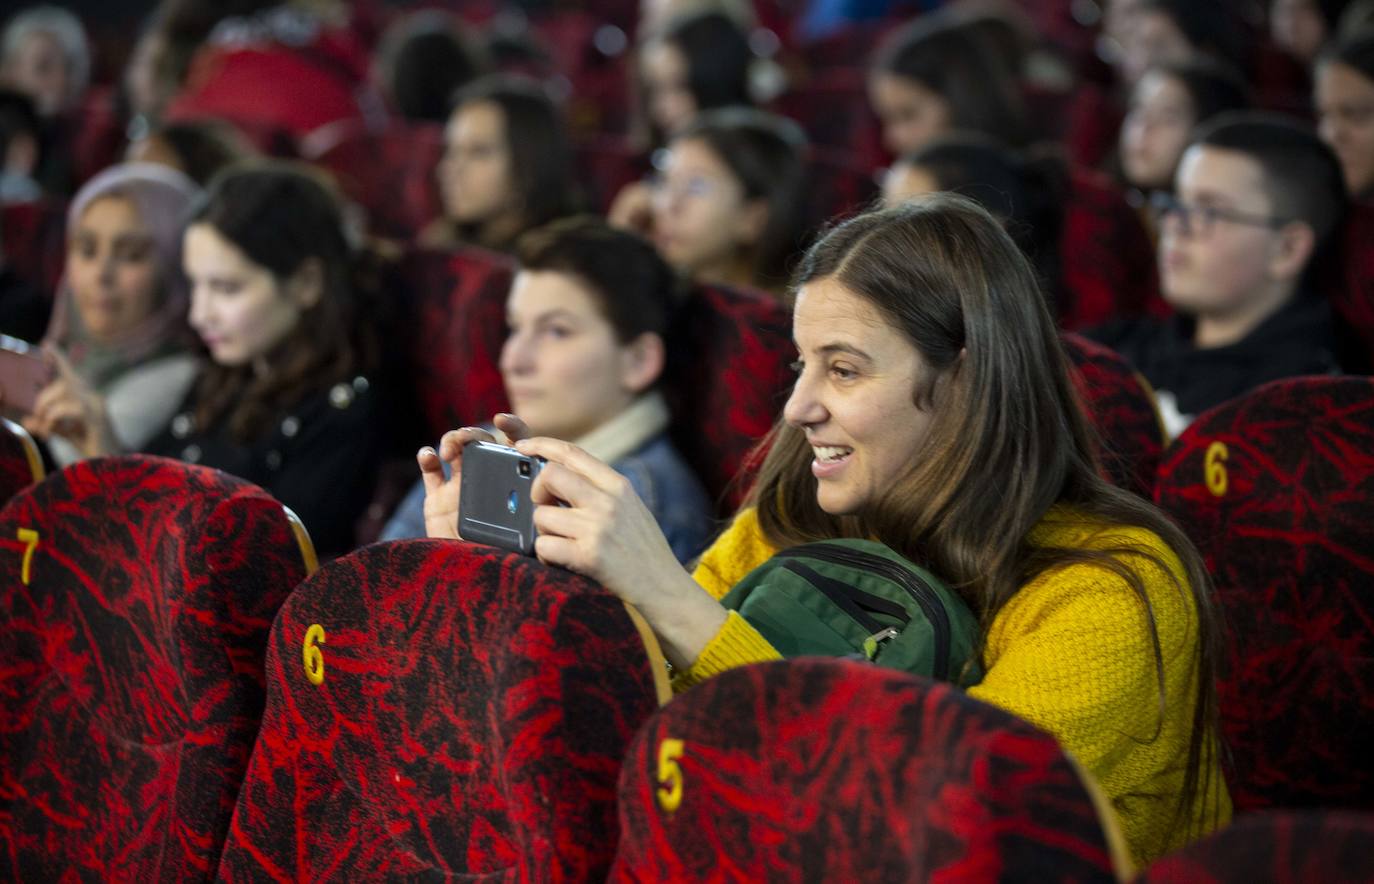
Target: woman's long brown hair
1009, 439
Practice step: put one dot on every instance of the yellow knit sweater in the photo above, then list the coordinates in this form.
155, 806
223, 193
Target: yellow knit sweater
1070, 653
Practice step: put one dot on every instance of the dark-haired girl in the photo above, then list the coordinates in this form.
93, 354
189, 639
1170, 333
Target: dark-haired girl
506, 168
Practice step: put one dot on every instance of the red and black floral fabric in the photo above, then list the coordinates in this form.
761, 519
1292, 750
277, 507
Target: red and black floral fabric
438, 708
1351, 286
727, 379
1276, 848
835, 770
458, 305
1107, 261
389, 173
1120, 404
34, 237
20, 462
138, 593
1277, 491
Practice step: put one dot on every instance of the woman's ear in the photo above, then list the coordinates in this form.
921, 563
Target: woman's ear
641, 362
306, 285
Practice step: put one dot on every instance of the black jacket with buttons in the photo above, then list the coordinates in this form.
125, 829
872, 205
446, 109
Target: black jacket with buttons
319, 458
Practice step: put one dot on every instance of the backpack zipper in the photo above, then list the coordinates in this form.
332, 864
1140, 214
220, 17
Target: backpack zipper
917, 588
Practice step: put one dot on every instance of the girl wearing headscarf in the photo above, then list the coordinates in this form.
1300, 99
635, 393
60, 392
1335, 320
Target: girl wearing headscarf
118, 339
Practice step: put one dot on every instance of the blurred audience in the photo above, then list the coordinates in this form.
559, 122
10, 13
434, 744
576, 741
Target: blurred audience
936, 76
506, 166
422, 60
696, 62
725, 207
20, 148
1167, 104
1025, 192
198, 148
45, 55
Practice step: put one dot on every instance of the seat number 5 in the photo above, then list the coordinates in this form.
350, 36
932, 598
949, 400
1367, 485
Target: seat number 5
314, 657
669, 775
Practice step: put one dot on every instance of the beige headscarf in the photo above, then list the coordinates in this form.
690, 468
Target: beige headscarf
163, 197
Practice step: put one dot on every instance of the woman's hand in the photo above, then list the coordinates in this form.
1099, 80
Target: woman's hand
442, 494
591, 521
633, 209
68, 407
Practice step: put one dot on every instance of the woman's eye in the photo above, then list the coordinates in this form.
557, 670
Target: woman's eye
558, 331
843, 373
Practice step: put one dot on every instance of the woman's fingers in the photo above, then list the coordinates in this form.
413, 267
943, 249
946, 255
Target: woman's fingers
560, 520
451, 445
60, 363
554, 550
48, 397
575, 459
431, 469
514, 428
557, 483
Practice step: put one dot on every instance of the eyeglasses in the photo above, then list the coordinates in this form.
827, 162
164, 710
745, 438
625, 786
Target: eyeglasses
692, 187
1200, 220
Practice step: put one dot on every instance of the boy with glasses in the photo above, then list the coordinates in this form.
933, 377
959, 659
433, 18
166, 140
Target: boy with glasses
1257, 199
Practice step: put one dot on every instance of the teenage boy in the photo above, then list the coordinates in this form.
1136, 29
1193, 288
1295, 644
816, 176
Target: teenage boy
1257, 197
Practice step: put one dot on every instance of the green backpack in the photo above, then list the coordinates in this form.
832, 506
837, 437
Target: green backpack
839, 598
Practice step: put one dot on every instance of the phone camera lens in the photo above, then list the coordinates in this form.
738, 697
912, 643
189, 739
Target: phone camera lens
524, 469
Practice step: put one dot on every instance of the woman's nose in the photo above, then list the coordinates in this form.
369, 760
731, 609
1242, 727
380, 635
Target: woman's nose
804, 407
517, 355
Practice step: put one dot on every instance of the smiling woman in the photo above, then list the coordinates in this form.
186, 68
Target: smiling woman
933, 412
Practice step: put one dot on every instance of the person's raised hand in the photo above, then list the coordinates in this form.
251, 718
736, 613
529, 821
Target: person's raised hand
590, 520
70, 408
633, 209
442, 495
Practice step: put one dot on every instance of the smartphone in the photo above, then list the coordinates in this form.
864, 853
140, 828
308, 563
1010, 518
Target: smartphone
494, 503
23, 374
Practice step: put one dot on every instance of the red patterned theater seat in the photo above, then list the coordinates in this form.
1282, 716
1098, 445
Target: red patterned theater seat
138, 593
833, 770
1106, 259
20, 463
458, 306
606, 165
443, 709
1277, 490
728, 377
1121, 405
390, 174
33, 237
1276, 848
1351, 284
